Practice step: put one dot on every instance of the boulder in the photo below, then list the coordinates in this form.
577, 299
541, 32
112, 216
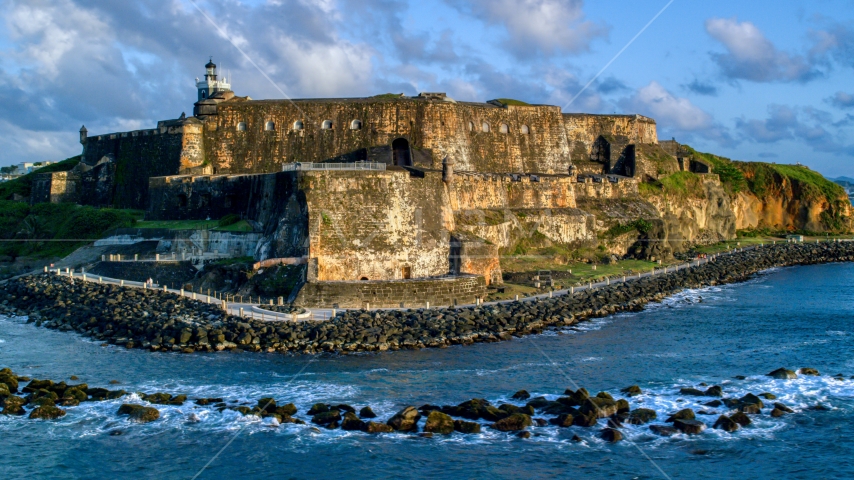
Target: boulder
809, 371
47, 412
690, 427
139, 413
726, 424
405, 420
776, 412
564, 420
641, 416
632, 391
684, 414
438, 422
663, 430
602, 407
783, 374
13, 405
578, 397
343, 407
352, 422
287, 409
366, 412
767, 396
466, 427
714, 391
375, 427
517, 421
538, 402
692, 391
521, 395
318, 408
741, 419
611, 435
780, 406
326, 418
10, 381
4, 390
605, 395
623, 406
524, 434
585, 419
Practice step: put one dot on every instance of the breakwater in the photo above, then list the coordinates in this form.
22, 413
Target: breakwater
167, 322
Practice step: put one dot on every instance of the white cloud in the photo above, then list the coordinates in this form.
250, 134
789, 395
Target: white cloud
655, 101
751, 56
539, 26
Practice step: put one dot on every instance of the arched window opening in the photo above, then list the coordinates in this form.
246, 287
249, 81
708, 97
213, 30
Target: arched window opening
471, 126
503, 128
182, 200
364, 278
298, 125
485, 127
204, 94
241, 127
356, 125
524, 130
401, 155
327, 125
270, 126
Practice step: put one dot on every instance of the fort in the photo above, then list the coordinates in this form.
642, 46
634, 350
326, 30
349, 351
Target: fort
377, 197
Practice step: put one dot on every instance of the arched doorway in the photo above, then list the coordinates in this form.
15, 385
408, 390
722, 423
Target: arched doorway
400, 154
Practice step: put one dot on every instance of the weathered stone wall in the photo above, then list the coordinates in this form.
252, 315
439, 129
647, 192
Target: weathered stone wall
379, 225
435, 128
583, 129
55, 187
485, 192
411, 293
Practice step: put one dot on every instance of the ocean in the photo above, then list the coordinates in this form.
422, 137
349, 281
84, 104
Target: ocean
790, 317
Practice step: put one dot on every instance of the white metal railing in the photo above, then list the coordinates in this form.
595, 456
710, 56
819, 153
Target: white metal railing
291, 167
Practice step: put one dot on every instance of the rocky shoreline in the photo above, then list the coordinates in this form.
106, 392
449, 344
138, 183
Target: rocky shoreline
158, 321
50, 400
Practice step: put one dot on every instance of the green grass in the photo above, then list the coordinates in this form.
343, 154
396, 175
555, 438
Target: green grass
515, 103
179, 224
388, 96
683, 184
55, 229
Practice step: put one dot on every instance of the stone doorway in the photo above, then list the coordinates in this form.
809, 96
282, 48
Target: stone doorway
400, 153
407, 272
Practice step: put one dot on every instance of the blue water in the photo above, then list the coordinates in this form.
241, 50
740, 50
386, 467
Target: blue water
794, 317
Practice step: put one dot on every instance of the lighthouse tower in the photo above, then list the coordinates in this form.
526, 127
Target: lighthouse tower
210, 85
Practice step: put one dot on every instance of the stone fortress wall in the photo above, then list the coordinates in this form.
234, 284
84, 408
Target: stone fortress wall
459, 182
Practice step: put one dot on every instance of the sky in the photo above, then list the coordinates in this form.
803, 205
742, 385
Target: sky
756, 80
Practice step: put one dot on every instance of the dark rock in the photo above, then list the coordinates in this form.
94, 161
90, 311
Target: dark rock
692, 391
564, 420
714, 391
641, 416
438, 422
517, 421
780, 406
405, 420
139, 413
601, 407
521, 395
726, 424
783, 374
768, 396
623, 406
541, 422
585, 419
713, 404
632, 391
538, 402
818, 408
604, 395
741, 419
684, 414
776, 412
809, 371
576, 438
352, 422
343, 407
466, 427
375, 427
611, 435
47, 412
287, 409
326, 418
663, 430
524, 434
318, 408
366, 412
691, 427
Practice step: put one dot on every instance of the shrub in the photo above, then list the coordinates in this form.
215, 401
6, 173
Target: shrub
229, 219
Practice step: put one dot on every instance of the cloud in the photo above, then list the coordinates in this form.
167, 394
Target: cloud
835, 42
538, 27
806, 125
702, 88
751, 56
611, 85
675, 116
842, 100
